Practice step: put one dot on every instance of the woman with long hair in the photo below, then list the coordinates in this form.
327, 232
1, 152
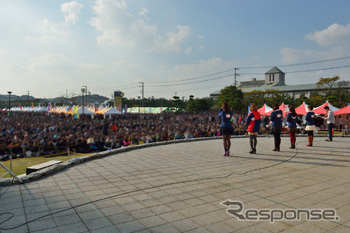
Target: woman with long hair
310, 125
292, 118
226, 128
276, 119
252, 127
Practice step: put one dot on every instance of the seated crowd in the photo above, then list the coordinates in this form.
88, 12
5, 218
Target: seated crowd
31, 134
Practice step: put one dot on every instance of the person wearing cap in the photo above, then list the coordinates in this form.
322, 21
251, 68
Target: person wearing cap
330, 122
226, 128
276, 119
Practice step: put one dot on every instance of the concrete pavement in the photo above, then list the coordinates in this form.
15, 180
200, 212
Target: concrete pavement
180, 187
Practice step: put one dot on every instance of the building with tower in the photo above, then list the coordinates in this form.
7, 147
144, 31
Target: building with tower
275, 79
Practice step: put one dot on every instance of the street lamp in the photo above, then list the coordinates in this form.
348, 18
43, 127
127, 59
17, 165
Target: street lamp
9, 92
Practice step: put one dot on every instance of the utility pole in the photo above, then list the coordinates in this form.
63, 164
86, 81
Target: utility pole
236, 76
142, 92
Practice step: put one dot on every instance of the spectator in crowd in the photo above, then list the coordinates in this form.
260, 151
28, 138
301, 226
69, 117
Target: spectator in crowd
30, 134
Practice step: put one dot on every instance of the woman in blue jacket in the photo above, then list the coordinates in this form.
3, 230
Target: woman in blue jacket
226, 128
252, 126
310, 125
276, 119
292, 118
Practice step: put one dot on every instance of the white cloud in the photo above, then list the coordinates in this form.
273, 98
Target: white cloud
71, 11
204, 67
335, 34
173, 41
188, 50
200, 37
120, 28
143, 13
46, 31
3, 54
335, 42
290, 55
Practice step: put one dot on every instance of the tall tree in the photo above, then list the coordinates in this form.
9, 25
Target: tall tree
233, 96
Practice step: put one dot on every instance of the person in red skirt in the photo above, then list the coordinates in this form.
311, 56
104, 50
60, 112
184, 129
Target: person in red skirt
252, 126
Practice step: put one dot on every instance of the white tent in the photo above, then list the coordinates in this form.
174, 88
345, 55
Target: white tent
42, 109
111, 111
86, 111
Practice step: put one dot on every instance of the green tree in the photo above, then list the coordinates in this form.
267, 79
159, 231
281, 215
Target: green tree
317, 100
233, 96
257, 97
302, 98
196, 105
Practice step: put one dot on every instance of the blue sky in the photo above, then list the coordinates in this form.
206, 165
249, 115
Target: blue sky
53, 47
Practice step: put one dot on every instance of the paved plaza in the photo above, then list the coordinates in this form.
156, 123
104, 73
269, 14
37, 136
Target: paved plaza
180, 187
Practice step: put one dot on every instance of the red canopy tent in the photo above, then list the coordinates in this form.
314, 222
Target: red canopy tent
264, 110
302, 109
320, 109
341, 111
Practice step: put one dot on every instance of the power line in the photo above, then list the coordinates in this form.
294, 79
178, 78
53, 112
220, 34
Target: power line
311, 70
297, 64
115, 87
198, 77
179, 84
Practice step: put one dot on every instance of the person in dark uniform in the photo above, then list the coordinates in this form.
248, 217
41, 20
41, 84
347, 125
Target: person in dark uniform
310, 125
252, 126
226, 128
276, 119
292, 119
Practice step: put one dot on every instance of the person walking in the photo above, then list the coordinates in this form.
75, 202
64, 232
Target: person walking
276, 119
330, 123
292, 119
310, 125
226, 128
252, 127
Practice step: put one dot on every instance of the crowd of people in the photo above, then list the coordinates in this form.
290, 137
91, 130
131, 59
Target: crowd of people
31, 134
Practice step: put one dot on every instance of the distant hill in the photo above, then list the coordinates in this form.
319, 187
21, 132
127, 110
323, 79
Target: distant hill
16, 97
76, 99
